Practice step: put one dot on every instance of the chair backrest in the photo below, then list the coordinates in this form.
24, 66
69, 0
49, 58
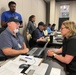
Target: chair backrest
1, 30
25, 38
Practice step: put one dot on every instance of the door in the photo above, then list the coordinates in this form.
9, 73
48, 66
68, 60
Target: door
61, 20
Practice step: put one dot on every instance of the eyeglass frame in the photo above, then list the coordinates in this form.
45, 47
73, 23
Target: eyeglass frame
63, 28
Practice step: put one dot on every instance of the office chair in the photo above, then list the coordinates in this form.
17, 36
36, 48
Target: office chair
1, 30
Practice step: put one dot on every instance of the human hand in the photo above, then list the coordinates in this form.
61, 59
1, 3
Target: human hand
40, 39
50, 52
25, 50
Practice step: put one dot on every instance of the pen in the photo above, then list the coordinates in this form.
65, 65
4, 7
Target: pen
28, 58
22, 60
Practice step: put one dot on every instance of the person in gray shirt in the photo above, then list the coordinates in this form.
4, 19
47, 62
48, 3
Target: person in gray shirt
31, 26
11, 41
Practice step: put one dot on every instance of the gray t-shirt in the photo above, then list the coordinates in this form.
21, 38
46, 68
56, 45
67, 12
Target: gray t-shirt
8, 40
31, 26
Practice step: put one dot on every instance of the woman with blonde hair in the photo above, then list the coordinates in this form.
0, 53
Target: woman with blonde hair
68, 50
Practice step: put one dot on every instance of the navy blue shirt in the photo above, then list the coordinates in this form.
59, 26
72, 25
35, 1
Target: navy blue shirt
36, 35
7, 14
8, 40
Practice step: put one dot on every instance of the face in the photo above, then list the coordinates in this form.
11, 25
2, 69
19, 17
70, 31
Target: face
33, 19
41, 28
12, 7
64, 31
45, 27
14, 25
50, 26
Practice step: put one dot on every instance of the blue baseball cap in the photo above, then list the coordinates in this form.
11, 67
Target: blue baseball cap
13, 19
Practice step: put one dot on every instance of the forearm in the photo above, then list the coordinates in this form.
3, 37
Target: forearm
24, 46
3, 24
60, 58
58, 51
28, 28
43, 40
67, 59
13, 52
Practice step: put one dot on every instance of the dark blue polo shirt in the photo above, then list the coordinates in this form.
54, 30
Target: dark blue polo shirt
7, 14
8, 40
35, 35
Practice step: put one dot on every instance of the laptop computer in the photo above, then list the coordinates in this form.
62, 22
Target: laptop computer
37, 51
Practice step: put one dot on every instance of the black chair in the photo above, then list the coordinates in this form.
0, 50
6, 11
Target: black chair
1, 30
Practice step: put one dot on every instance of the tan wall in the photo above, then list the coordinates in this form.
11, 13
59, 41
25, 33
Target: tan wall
27, 8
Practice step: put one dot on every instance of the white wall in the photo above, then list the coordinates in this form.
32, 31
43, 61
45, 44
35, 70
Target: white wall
52, 11
27, 8
72, 13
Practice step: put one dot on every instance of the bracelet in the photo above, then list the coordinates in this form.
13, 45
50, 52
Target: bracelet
54, 55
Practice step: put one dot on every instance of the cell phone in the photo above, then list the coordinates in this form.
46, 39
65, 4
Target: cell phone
24, 69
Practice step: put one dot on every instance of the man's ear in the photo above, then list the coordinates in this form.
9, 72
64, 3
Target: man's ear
9, 24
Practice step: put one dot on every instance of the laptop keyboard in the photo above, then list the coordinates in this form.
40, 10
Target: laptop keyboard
37, 52
32, 51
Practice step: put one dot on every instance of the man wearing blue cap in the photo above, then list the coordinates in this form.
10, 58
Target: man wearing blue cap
37, 35
11, 41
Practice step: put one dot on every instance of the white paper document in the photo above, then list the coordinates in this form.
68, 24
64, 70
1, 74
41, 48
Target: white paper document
55, 71
10, 68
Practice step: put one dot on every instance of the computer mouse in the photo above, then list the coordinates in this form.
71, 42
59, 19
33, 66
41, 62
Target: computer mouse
24, 66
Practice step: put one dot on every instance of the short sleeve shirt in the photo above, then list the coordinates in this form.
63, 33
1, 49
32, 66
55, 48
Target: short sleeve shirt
7, 14
31, 26
8, 40
49, 30
69, 47
37, 34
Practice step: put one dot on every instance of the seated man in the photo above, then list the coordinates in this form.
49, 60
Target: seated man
49, 28
37, 35
53, 27
11, 41
45, 30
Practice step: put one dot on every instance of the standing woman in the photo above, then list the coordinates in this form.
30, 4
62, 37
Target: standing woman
31, 26
68, 50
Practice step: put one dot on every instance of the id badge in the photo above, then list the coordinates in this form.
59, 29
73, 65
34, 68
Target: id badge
19, 45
